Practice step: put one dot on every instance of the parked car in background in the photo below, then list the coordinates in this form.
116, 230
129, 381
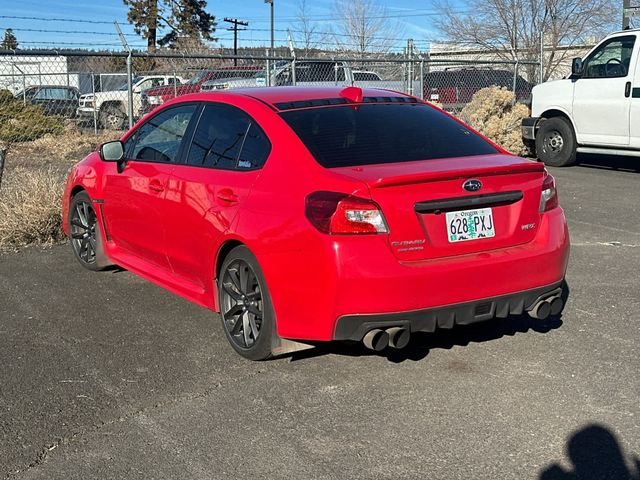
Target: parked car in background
157, 96
365, 76
595, 110
110, 108
320, 214
454, 88
315, 73
53, 99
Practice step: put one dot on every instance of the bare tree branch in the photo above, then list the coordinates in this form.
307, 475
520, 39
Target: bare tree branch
514, 28
364, 27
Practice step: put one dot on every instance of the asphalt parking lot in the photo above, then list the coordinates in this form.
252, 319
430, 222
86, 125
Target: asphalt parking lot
104, 375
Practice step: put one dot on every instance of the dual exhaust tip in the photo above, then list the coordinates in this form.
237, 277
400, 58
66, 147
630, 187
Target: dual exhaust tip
546, 307
394, 337
398, 337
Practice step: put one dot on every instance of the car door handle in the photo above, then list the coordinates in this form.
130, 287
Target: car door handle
627, 89
227, 197
156, 186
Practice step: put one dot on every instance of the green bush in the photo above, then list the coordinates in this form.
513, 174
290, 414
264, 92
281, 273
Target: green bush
23, 123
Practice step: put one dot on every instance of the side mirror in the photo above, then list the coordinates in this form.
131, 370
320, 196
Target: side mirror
576, 66
112, 151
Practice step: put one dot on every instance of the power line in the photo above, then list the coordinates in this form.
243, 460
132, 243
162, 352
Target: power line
46, 19
73, 32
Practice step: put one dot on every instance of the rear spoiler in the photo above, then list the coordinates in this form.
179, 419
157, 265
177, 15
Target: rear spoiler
419, 177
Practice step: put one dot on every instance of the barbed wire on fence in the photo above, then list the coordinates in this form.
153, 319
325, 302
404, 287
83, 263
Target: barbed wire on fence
43, 90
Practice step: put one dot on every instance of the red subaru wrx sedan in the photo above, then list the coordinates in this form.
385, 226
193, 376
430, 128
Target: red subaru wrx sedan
322, 214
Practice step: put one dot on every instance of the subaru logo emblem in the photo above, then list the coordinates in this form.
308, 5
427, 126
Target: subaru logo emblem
472, 185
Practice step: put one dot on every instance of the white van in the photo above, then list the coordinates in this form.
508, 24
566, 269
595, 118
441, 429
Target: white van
595, 110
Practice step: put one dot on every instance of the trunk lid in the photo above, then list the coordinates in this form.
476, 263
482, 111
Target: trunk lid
416, 196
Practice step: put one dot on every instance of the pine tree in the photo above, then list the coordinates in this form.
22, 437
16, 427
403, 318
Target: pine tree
9, 42
179, 18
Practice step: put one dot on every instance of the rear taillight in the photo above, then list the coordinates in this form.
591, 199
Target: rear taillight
549, 197
339, 214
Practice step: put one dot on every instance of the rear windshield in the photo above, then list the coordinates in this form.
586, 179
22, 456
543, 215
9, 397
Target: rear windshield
345, 136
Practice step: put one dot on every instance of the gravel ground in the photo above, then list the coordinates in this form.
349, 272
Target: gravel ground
107, 376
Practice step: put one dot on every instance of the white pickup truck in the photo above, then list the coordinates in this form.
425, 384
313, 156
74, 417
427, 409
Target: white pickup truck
110, 108
595, 110
314, 73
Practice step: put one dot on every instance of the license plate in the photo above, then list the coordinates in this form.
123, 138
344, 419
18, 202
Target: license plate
470, 225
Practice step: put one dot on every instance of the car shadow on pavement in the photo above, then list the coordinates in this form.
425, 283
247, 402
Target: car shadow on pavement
609, 162
594, 453
422, 343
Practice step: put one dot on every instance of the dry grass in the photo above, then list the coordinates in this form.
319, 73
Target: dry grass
30, 207
63, 150
33, 182
493, 112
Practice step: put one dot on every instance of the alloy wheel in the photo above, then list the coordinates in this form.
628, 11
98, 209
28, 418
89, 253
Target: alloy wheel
241, 304
82, 225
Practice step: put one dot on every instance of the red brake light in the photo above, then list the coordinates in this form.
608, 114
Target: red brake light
549, 196
339, 213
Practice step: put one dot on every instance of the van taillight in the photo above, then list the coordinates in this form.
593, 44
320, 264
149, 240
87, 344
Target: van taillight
549, 196
340, 214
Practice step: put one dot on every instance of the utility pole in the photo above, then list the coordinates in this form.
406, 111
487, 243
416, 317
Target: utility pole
235, 22
270, 2
625, 14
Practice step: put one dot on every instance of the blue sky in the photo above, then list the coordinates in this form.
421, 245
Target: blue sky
413, 19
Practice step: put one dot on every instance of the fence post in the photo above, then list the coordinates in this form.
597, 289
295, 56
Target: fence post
422, 79
541, 76
130, 89
175, 83
293, 71
267, 72
3, 155
515, 77
95, 113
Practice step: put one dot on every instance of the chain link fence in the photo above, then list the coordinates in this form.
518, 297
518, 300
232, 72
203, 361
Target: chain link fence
42, 91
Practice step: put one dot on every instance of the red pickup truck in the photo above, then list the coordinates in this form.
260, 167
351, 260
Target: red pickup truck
153, 97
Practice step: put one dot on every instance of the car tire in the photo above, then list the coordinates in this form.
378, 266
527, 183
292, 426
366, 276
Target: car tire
245, 305
112, 118
85, 234
556, 142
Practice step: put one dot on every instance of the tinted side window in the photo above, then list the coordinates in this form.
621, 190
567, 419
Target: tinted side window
43, 94
255, 150
227, 138
159, 139
344, 136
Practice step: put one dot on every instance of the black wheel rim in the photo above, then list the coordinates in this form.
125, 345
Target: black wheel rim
82, 226
241, 304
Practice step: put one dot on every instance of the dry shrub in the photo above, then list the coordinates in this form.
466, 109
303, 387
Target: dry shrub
20, 122
71, 146
30, 207
493, 111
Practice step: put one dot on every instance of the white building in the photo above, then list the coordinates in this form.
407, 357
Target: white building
20, 71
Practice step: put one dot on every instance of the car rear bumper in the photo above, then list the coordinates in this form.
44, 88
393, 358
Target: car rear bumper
529, 128
350, 278
354, 327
